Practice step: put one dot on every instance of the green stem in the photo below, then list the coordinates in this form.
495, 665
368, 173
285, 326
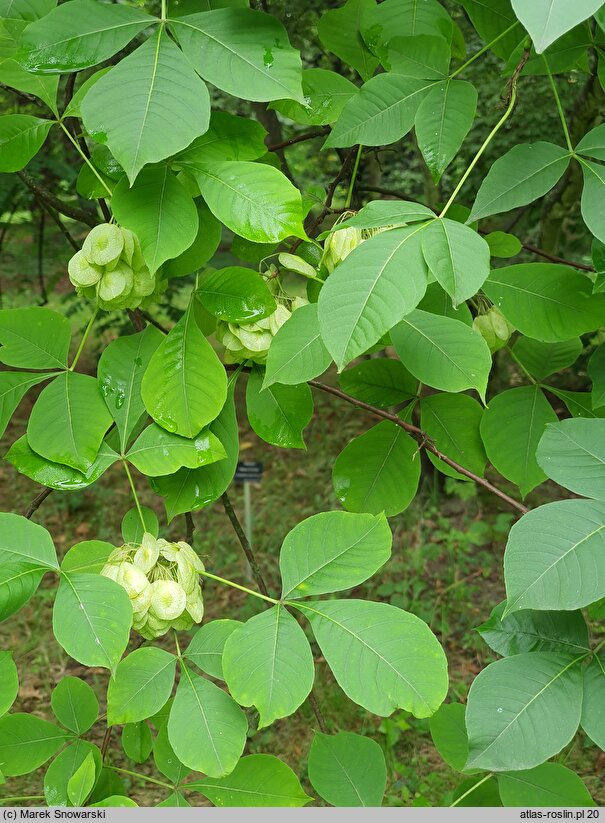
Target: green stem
134, 494
598, 647
353, 177
241, 588
24, 797
471, 790
74, 362
559, 105
84, 157
176, 643
487, 141
483, 50
521, 366
140, 776
163, 14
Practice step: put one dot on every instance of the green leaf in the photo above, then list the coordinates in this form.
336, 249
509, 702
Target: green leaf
206, 647
596, 371
449, 734
381, 382
555, 557
502, 244
297, 353
547, 20
278, 414
513, 697
382, 112
158, 452
56, 475
25, 543
346, 769
367, 293
511, 428
542, 359
578, 403
132, 527
572, 453
79, 34
202, 249
332, 551
534, 631
92, 618
593, 143
254, 200
257, 780
13, 387
236, 295
592, 197
120, 372
18, 582
68, 421
443, 120
82, 782
405, 18
142, 684
27, 10
243, 52
137, 741
378, 471
476, 792
282, 673
166, 760
62, 769
229, 137
457, 257
491, 20
9, 681
75, 704
26, 742
522, 175
43, 87
593, 705
340, 32
550, 784
452, 422
386, 214
325, 94
115, 801
443, 353
206, 727
424, 56
160, 211
21, 138
34, 338
437, 301
382, 657
184, 386
191, 489
88, 556
133, 108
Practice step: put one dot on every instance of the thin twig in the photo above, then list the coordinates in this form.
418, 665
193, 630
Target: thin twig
37, 502
317, 712
190, 522
309, 135
74, 212
22, 95
60, 225
241, 536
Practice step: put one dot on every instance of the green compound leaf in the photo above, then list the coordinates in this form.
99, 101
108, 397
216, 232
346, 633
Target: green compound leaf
236, 295
254, 200
206, 727
340, 32
592, 197
82, 782
137, 741
92, 618
62, 769
519, 177
555, 557
142, 684
282, 672
75, 704
297, 353
69, 421
543, 359
593, 706
133, 108
382, 657
9, 681
157, 452
367, 293
382, 382
42, 86
386, 214
546, 301
572, 453
346, 769
547, 20
120, 373
325, 93
34, 338
206, 647
457, 257
511, 428
443, 353
550, 784
18, 582
278, 414
202, 249
512, 698
332, 551
26, 742
13, 388
378, 471
164, 757
160, 211
88, 556
229, 137
243, 52
185, 386
79, 34
257, 780
21, 138
56, 475
25, 543
452, 422
421, 55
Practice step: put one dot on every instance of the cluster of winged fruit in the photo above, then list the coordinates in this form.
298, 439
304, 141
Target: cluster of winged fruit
339, 244
162, 582
111, 270
494, 328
